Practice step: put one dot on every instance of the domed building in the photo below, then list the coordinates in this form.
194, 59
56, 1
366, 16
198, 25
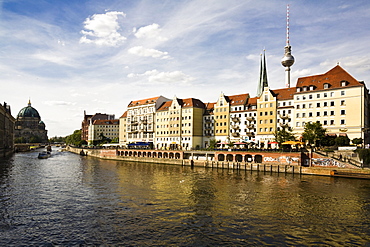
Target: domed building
29, 127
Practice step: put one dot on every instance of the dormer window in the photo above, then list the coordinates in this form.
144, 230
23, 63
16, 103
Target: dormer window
298, 89
312, 87
344, 83
326, 85
304, 88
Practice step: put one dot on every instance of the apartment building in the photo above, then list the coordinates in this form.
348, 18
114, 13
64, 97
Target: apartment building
89, 119
335, 99
208, 124
103, 130
140, 121
122, 129
179, 124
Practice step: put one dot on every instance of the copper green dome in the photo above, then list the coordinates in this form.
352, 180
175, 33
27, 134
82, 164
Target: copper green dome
28, 111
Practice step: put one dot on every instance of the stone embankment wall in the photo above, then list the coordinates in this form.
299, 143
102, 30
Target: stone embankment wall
253, 161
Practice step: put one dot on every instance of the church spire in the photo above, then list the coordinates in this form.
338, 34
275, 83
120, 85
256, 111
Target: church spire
263, 75
29, 102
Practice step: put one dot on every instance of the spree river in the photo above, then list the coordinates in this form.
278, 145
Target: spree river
69, 200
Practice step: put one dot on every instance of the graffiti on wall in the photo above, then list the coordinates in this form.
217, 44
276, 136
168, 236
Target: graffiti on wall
326, 162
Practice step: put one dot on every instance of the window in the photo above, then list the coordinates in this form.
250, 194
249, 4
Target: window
331, 113
325, 113
310, 96
298, 90
310, 114
271, 113
297, 115
331, 122
342, 93
325, 95
298, 107
317, 104
303, 97
326, 86
271, 121
266, 98
325, 104
342, 121
342, 102
325, 122
297, 124
318, 114
331, 94
297, 97
303, 115
318, 96
303, 106
342, 112
331, 103
310, 105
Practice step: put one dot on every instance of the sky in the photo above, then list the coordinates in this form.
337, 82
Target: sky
72, 56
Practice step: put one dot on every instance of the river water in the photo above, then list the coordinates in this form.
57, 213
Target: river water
69, 200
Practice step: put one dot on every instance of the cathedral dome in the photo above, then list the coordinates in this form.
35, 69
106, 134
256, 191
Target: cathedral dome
28, 111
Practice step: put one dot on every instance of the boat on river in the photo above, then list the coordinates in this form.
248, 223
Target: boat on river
44, 155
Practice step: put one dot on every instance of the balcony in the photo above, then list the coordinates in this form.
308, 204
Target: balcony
208, 128
250, 134
235, 127
284, 116
284, 125
250, 126
250, 118
235, 119
208, 121
235, 134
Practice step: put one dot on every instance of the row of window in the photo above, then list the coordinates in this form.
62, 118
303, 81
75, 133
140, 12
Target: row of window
318, 105
324, 123
318, 95
318, 114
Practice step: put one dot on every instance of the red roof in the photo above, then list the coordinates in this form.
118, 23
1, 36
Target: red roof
285, 93
106, 122
143, 101
333, 78
240, 99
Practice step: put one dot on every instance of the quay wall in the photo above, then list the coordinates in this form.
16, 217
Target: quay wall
276, 165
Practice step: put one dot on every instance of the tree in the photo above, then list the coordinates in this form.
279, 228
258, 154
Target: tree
284, 134
75, 138
342, 141
357, 141
212, 144
364, 155
328, 141
313, 133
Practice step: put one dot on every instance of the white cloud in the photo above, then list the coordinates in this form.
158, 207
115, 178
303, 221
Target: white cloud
144, 52
150, 32
102, 29
58, 103
156, 77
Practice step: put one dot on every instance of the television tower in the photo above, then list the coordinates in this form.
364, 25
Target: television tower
288, 59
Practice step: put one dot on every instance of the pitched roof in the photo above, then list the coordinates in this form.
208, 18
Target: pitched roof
333, 77
191, 102
124, 114
284, 93
106, 122
143, 101
252, 101
240, 99
165, 106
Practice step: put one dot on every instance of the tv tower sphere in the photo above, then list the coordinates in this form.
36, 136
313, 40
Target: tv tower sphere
288, 59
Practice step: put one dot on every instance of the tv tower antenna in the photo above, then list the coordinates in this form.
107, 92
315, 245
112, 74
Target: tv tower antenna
288, 59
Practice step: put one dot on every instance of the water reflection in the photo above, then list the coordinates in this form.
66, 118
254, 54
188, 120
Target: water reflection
73, 200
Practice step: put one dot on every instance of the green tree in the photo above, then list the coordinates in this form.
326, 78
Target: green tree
313, 133
328, 141
212, 144
75, 138
35, 139
364, 155
342, 141
284, 134
357, 141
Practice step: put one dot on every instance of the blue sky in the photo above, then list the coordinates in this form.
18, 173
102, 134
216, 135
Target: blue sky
71, 56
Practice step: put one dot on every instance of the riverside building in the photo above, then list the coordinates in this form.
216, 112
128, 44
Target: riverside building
101, 130
7, 122
179, 124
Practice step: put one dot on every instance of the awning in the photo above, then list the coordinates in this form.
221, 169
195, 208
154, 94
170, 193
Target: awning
293, 143
139, 144
273, 143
